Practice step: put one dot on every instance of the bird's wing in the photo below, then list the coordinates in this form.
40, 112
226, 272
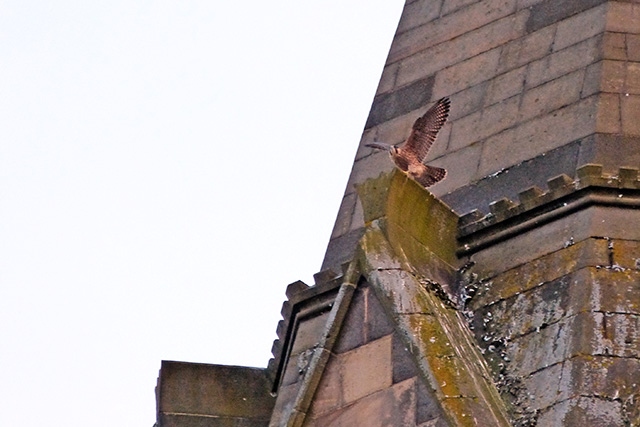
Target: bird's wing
426, 128
431, 175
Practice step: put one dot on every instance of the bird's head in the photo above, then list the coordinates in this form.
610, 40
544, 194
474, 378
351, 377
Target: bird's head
391, 149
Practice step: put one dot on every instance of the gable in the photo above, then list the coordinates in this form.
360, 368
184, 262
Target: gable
370, 378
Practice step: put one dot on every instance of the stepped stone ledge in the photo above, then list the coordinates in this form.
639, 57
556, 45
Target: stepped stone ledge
536, 206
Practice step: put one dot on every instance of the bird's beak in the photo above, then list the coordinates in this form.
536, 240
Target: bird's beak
379, 146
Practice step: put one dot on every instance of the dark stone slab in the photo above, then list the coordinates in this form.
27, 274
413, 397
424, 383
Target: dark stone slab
223, 392
365, 321
352, 333
399, 102
403, 365
610, 151
377, 321
551, 11
183, 420
428, 407
341, 249
510, 182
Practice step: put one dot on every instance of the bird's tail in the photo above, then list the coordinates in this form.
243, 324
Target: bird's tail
431, 175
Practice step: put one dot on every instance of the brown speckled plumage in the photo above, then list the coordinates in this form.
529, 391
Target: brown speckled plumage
409, 157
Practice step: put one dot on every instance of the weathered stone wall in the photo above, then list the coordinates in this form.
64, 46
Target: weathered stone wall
202, 395
557, 307
538, 88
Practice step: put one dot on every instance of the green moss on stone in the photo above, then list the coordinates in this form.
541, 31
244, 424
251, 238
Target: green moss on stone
423, 217
373, 196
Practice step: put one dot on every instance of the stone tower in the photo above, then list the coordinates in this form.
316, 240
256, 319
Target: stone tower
507, 294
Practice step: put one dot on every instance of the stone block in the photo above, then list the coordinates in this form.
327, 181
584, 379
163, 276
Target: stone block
565, 61
615, 223
608, 377
534, 244
525, 312
551, 96
542, 387
626, 254
526, 49
482, 124
341, 250
345, 215
580, 27
538, 136
549, 12
632, 79
617, 334
608, 118
614, 46
352, 333
365, 321
435, 58
633, 47
546, 347
584, 291
613, 76
583, 411
464, 20
592, 79
388, 79
453, 5
610, 151
630, 111
499, 116
372, 200
309, 332
404, 366
623, 17
468, 101
190, 420
465, 131
296, 367
395, 405
422, 217
328, 396
587, 333
215, 390
401, 101
455, 381
467, 73
509, 182
284, 403
295, 288
376, 321
506, 85
616, 290
366, 369
428, 410
418, 13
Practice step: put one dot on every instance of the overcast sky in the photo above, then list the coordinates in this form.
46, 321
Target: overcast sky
166, 169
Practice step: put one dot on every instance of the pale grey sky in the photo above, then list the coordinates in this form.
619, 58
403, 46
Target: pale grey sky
166, 169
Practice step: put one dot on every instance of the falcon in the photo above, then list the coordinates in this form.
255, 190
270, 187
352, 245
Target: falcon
410, 156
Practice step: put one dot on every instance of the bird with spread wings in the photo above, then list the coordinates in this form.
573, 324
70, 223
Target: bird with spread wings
409, 157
